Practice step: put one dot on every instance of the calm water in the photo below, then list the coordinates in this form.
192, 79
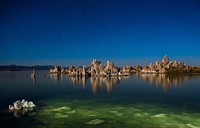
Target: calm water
139, 101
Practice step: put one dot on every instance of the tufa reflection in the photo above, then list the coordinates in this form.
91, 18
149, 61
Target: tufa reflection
33, 80
166, 80
81, 80
97, 83
55, 77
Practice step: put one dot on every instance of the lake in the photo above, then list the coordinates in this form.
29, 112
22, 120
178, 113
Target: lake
139, 101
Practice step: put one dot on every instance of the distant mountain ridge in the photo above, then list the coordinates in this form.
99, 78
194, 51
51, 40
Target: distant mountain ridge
22, 68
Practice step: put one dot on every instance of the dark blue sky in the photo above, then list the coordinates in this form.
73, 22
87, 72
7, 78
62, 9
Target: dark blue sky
67, 32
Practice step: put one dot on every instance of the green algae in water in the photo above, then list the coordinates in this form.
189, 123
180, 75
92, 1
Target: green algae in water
116, 113
91, 113
61, 115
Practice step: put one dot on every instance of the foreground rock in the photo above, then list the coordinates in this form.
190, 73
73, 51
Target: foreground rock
21, 104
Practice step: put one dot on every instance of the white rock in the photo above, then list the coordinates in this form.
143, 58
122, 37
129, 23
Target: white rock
18, 105
31, 104
11, 107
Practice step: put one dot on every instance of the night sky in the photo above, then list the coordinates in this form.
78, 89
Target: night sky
73, 32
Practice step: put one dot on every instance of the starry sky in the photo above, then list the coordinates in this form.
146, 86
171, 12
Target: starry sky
73, 32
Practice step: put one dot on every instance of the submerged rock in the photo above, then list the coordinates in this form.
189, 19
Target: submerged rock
95, 122
159, 115
70, 112
114, 112
62, 108
192, 126
60, 115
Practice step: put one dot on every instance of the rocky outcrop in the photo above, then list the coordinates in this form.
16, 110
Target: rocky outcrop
84, 72
165, 60
126, 70
137, 69
110, 69
56, 70
97, 69
33, 74
77, 71
62, 70
164, 66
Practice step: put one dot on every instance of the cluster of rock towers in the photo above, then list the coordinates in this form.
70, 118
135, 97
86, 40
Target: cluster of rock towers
164, 66
98, 69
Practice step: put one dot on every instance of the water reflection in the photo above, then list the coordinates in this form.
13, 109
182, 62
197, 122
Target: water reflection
55, 77
79, 81
166, 80
97, 83
33, 80
22, 112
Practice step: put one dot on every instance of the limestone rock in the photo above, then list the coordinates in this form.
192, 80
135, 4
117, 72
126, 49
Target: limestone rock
164, 66
56, 70
165, 60
20, 104
96, 67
